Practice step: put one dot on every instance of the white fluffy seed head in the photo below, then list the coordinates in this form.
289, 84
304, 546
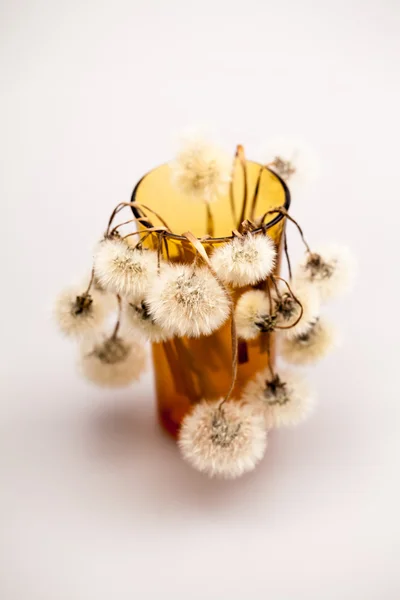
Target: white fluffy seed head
124, 270
139, 321
312, 345
286, 398
224, 442
292, 160
252, 315
78, 314
288, 310
202, 171
115, 362
244, 261
188, 301
330, 270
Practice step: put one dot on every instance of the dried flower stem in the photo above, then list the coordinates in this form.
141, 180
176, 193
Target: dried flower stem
122, 205
115, 229
144, 232
210, 220
285, 247
282, 210
114, 334
255, 195
278, 293
200, 249
241, 156
267, 287
295, 299
86, 292
166, 246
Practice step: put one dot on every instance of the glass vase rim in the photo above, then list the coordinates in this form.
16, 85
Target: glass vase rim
210, 240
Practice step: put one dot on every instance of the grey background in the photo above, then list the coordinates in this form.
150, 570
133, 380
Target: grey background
95, 502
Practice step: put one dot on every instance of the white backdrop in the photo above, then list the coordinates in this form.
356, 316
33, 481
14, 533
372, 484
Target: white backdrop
96, 503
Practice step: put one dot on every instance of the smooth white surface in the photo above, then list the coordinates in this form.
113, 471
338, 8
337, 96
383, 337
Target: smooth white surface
95, 501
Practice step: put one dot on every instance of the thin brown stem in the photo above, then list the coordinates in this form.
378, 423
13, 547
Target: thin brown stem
278, 293
144, 232
122, 205
285, 247
166, 246
234, 346
255, 195
116, 210
114, 229
153, 212
282, 210
267, 287
209, 220
241, 156
295, 299
114, 334
198, 246
159, 250
91, 280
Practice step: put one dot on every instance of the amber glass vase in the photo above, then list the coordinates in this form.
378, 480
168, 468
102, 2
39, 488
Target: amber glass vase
189, 369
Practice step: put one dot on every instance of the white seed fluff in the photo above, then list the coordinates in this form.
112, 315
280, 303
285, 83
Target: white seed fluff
252, 315
187, 301
115, 362
124, 270
79, 315
202, 171
223, 442
292, 160
139, 320
330, 270
311, 346
286, 398
244, 261
288, 310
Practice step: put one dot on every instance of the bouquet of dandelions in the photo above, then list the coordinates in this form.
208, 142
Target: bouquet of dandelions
151, 298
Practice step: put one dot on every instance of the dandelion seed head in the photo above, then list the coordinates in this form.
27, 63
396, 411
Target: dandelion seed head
286, 397
188, 301
78, 314
124, 270
225, 441
312, 345
244, 261
115, 362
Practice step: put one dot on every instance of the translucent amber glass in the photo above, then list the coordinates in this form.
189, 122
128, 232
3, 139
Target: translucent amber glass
188, 369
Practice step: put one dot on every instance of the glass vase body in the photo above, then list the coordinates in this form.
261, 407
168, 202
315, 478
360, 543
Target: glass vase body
187, 370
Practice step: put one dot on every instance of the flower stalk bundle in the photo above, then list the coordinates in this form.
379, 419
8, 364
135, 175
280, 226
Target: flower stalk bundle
138, 292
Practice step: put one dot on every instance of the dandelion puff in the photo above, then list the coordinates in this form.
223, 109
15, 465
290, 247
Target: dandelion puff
115, 362
224, 441
139, 319
312, 345
244, 261
292, 160
330, 270
201, 170
285, 397
124, 270
288, 310
78, 314
187, 301
252, 315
